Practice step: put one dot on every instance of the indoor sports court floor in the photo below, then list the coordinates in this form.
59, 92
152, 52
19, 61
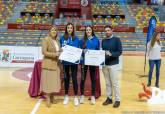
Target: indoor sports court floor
14, 98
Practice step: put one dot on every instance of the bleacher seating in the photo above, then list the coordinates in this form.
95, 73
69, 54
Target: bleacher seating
108, 20
74, 20
40, 7
130, 41
104, 14
37, 12
36, 19
106, 9
6, 10
142, 14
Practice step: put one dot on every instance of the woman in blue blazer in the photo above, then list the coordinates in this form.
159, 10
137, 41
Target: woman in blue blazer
69, 38
89, 42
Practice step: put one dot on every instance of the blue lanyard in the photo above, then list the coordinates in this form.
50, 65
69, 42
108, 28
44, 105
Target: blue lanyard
68, 41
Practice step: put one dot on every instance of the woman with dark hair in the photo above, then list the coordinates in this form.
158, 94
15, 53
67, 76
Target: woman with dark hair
89, 42
50, 78
69, 38
154, 55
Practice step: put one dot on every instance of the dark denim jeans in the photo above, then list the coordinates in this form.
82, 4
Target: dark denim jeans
157, 63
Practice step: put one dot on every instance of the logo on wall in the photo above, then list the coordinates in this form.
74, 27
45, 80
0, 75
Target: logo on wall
84, 3
6, 56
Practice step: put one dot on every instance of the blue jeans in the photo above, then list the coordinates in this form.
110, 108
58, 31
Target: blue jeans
151, 67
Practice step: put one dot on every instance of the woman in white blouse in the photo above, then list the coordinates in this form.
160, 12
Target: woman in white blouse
154, 55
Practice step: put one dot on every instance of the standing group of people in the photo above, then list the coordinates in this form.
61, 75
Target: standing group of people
51, 49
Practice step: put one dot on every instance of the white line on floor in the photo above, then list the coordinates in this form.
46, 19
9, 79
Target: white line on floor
36, 106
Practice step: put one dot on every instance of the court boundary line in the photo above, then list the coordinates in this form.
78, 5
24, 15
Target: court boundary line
36, 106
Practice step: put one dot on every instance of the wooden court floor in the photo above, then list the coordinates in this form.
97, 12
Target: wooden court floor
14, 98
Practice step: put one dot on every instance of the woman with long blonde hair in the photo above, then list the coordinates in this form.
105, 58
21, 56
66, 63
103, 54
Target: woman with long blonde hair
154, 55
50, 78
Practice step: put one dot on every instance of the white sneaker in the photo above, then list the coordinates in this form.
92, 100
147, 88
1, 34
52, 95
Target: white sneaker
93, 101
76, 102
66, 100
82, 99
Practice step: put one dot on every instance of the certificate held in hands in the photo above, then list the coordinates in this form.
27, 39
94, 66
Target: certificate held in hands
95, 57
71, 54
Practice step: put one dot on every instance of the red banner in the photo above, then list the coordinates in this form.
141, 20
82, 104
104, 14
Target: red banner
28, 26
101, 28
62, 27
124, 29
160, 29
34, 26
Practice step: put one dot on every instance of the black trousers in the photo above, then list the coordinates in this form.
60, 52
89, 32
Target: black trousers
92, 70
73, 69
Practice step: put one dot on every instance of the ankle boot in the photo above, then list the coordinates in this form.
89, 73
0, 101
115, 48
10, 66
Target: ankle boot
157, 84
149, 84
48, 103
52, 99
